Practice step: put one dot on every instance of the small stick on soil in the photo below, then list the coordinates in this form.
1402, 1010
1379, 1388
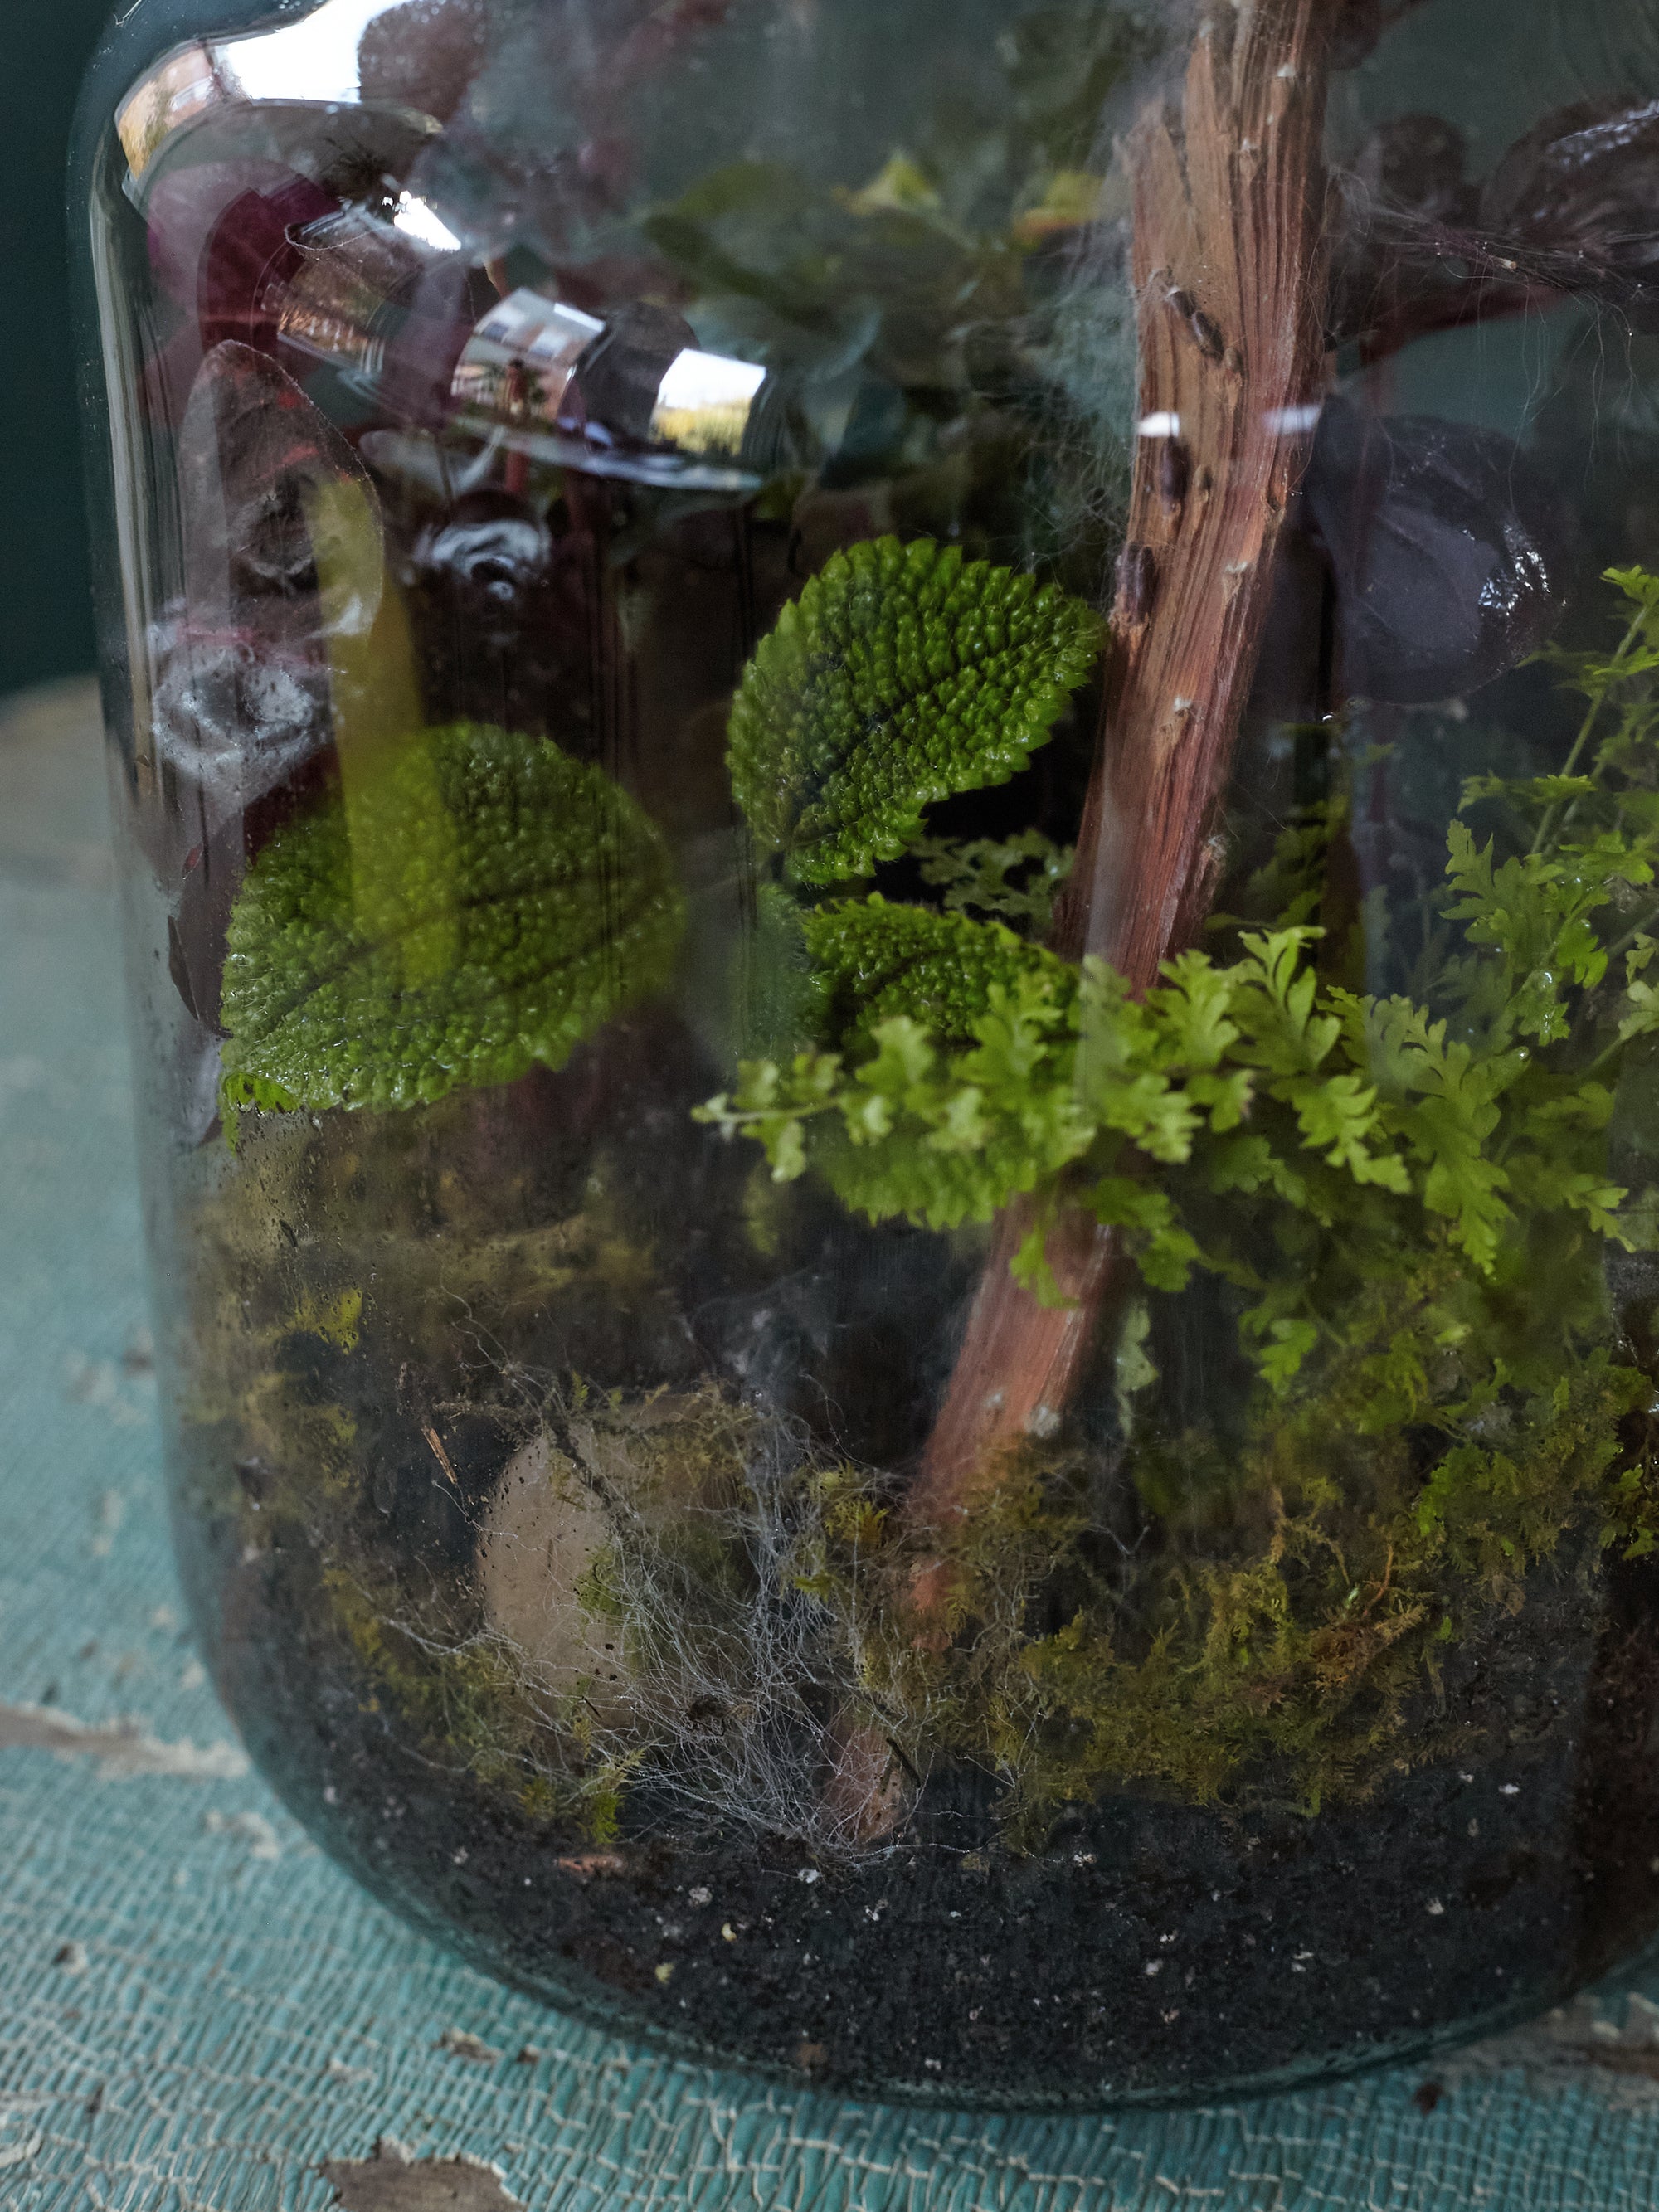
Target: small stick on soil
1231, 277
436, 1443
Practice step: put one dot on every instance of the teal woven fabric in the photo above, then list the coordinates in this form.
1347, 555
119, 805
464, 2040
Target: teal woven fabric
198, 2011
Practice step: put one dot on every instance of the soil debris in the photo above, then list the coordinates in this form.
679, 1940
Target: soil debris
122, 1749
459, 2044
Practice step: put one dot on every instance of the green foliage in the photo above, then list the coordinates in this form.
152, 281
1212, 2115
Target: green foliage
547, 905
900, 677
900, 981
1383, 1124
1392, 1213
1016, 880
1403, 1205
887, 277
1288, 1637
875, 961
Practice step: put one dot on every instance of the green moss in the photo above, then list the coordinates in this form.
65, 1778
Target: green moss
1281, 1640
465, 1702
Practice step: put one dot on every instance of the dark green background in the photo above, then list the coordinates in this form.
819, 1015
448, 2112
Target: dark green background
46, 623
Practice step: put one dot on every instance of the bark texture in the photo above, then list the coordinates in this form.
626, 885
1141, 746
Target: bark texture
1230, 277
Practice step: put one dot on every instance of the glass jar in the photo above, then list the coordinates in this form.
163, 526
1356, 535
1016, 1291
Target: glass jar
891, 785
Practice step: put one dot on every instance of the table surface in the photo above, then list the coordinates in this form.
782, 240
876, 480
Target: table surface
199, 2013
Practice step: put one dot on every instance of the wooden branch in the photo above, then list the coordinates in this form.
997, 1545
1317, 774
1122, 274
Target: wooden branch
1230, 277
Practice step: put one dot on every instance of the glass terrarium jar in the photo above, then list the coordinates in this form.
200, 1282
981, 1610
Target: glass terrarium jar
890, 780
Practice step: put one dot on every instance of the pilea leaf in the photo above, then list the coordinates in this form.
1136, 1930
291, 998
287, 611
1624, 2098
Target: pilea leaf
876, 962
557, 904
901, 675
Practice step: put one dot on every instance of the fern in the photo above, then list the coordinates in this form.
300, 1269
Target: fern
900, 677
554, 906
980, 877
958, 1068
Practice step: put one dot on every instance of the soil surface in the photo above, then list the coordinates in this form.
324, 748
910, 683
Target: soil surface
1153, 1953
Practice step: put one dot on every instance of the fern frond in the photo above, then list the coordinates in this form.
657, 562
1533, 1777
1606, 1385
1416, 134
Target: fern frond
981, 878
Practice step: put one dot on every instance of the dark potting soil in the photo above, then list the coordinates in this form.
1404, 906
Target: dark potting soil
1152, 1953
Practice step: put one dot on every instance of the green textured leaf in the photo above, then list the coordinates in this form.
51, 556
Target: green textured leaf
875, 961
557, 904
781, 995
900, 677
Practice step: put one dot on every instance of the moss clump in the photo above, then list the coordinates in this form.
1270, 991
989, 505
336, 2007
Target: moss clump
1279, 1628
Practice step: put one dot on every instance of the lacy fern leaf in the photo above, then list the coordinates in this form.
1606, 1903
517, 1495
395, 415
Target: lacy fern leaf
901, 675
1016, 880
940, 1116
558, 906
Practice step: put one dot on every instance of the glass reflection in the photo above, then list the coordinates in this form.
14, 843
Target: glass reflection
316, 60
326, 256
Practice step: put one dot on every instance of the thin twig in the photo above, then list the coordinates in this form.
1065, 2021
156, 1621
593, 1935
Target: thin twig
438, 1452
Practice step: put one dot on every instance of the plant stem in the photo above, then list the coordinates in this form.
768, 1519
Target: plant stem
1231, 278
1548, 827
1636, 929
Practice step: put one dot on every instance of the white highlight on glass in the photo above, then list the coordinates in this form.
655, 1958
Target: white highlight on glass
703, 403
417, 220
696, 381
315, 59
